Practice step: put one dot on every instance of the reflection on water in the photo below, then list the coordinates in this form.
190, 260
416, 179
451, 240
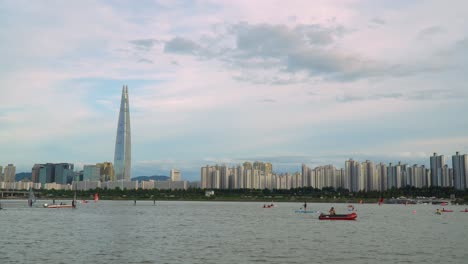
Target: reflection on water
229, 232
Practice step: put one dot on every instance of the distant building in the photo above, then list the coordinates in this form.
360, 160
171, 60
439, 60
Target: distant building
437, 164
46, 173
460, 171
171, 185
91, 172
107, 171
9, 173
175, 175
99, 172
60, 173
35, 172
353, 175
85, 185
147, 185
123, 185
64, 173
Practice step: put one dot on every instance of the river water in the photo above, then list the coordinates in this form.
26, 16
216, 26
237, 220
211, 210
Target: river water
229, 232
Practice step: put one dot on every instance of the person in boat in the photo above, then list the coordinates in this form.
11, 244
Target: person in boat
438, 211
73, 204
332, 211
264, 206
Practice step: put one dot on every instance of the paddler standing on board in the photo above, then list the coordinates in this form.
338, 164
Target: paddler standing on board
305, 206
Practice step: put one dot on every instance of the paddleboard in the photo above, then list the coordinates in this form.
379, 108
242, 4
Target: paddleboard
305, 212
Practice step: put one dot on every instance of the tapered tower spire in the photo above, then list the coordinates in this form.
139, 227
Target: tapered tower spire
123, 145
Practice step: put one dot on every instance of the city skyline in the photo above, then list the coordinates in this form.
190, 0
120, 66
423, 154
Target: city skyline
224, 82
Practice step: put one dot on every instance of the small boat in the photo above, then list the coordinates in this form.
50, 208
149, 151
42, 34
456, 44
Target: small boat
464, 211
58, 205
351, 216
447, 211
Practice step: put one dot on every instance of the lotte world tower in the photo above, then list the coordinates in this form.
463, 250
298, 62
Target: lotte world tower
123, 145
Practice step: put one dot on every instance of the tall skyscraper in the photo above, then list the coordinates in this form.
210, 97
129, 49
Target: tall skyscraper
123, 146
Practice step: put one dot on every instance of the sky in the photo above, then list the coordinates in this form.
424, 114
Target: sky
222, 82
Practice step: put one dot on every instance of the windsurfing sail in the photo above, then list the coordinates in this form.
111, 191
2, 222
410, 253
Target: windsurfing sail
31, 198
74, 200
96, 197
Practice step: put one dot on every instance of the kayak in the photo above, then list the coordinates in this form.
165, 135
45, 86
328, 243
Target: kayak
351, 216
464, 211
447, 211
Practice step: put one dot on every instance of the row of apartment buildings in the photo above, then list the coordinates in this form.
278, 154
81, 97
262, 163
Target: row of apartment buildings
61, 176
91, 185
356, 176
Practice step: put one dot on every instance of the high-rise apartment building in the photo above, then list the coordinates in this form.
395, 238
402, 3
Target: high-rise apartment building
175, 175
437, 164
381, 172
460, 171
123, 147
9, 173
353, 176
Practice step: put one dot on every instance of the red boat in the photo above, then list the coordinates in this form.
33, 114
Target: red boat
351, 216
447, 211
465, 211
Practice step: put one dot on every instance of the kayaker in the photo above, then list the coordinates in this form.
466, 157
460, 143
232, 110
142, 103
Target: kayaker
332, 211
438, 211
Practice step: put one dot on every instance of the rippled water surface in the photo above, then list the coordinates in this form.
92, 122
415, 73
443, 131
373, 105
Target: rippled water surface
229, 232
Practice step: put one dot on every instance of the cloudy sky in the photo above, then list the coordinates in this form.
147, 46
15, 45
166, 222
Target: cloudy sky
288, 82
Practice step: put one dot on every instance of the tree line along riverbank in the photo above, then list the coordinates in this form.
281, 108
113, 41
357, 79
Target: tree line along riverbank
309, 194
